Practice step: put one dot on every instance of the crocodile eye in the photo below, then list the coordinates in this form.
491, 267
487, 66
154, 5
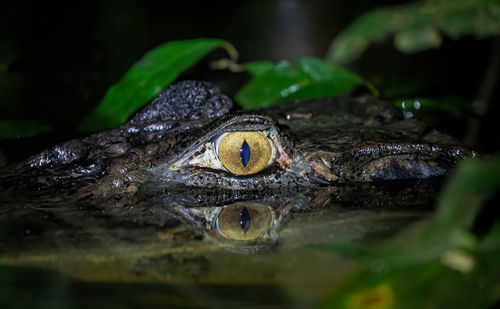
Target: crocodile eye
244, 153
244, 221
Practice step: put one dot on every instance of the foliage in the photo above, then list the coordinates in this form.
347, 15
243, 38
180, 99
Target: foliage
416, 26
423, 265
159, 67
148, 76
310, 78
24, 128
271, 83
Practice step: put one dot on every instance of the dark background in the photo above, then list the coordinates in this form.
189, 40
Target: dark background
58, 59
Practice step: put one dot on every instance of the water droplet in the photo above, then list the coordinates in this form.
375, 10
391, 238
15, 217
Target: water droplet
245, 153
408, 115
245, 220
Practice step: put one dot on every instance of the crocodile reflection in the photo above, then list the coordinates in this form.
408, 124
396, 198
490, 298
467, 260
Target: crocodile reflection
237, 221
187, 136
185, 235
251, 221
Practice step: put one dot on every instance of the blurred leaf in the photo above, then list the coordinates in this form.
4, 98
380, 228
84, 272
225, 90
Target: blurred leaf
22, 128
417, 39
416, 26
147, 77
259, 68
492, 240
422, 263
372, 27
427, 285
310, 78
378, 297
474, 182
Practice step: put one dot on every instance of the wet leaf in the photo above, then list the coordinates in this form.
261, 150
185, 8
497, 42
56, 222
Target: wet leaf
416, 26
147, 77
309, 78
22, 128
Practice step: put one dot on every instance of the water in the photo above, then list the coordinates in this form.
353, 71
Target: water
218, 249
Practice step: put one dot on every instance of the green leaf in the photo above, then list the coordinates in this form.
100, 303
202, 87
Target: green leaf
22, 128
310, 78
416, 26
147, 77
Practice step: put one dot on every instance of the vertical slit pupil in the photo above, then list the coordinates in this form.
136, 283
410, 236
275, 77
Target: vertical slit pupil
245, 153
245, 220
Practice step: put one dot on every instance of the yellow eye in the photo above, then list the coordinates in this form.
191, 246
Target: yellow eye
244, 153
244, 221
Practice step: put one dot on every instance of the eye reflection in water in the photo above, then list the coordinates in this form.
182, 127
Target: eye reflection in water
241, 227
245, 221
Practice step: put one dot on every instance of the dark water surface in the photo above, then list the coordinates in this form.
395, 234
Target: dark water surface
216, 249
